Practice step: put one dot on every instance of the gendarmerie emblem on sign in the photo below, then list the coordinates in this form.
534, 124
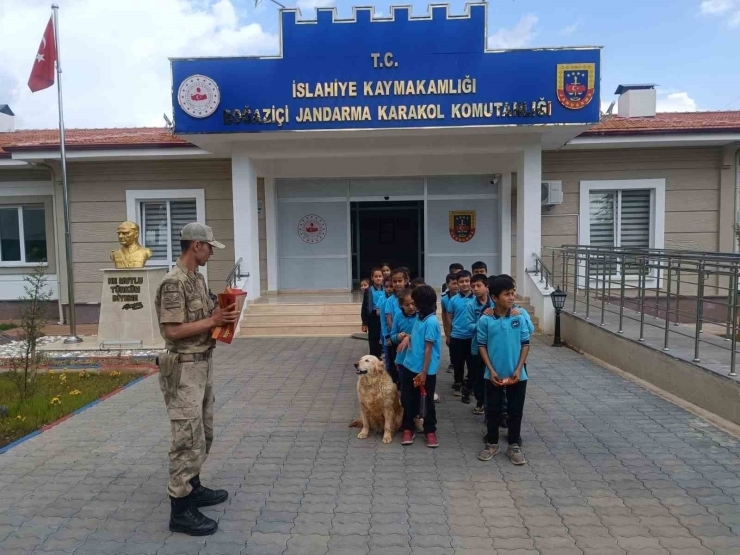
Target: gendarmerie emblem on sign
462, 225
198, 96
312, 229
576, 84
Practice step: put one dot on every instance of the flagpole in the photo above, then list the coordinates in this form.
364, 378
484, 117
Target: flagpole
73, 337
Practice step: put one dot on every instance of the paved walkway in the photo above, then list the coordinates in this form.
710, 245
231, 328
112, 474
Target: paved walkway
612, 469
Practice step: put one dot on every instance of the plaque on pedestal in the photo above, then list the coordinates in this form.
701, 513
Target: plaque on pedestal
128, 318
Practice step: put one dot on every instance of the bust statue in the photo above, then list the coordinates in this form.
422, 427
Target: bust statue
131, 254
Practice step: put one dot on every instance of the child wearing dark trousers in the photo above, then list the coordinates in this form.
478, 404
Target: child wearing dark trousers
385, 332
460, 338
422, 363
503, 341
390, 312
480, 306
403, 325
370, 311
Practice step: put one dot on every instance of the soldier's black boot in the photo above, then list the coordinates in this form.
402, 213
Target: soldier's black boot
205, 497
187, 519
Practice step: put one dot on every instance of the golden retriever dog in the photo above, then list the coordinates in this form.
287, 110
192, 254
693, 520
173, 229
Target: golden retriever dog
380, 402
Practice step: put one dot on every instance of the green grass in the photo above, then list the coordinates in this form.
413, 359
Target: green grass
42, 409
5, 326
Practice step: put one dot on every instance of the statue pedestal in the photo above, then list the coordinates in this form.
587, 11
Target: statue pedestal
128, 318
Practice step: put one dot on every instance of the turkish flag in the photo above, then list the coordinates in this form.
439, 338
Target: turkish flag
42, 74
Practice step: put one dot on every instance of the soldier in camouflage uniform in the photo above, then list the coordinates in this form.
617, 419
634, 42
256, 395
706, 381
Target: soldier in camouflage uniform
187, 315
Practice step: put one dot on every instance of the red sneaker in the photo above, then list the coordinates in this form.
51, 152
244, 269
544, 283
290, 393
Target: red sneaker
408, 437
431, 439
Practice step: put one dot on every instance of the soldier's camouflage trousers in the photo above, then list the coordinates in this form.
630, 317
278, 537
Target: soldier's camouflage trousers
188, 393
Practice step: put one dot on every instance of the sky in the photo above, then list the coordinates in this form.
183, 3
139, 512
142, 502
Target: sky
115, 54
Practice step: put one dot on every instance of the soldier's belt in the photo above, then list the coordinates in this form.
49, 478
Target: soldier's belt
195, 357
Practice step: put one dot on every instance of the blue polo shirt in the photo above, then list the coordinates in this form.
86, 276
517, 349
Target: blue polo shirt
392, 308
475, 311
378, 295
402, 324
425, 331
503, 337
524, 312
445, 301
384, 331
457, 308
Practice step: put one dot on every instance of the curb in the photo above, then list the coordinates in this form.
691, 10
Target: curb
91, 404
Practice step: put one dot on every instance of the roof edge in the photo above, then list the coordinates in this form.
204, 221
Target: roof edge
101, 146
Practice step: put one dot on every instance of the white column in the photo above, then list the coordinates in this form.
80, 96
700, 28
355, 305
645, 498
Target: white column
504, 203
246, 221
528, 209
271, 234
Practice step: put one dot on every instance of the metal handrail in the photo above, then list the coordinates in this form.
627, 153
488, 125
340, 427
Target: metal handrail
542, 271
600, 278
235, 274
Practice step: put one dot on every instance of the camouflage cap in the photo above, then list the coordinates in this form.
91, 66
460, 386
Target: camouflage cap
199, 232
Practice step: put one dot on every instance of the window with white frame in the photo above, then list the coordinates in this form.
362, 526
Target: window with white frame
620, 218
22, 235
161, 222
161, 214
628, 213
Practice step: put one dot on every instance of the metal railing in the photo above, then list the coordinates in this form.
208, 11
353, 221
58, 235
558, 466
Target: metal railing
684, 293
541, 270
235, 274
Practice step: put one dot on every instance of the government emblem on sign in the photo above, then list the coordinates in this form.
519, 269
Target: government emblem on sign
462, 225
198, 96
576, 84
312, 229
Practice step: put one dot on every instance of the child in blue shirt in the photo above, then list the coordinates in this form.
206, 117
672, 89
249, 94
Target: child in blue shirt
460, 339
452, 290
403, 325
480, 306
384, 330
503, 341
400, 282
421, 362
370, 311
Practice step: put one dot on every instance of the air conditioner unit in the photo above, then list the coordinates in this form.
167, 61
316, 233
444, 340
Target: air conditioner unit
552, 193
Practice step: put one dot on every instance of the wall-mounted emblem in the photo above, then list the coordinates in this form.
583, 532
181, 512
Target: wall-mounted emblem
312, 229
576, 84
198, 96
462, 225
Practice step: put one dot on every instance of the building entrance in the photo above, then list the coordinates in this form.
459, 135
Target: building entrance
390, 231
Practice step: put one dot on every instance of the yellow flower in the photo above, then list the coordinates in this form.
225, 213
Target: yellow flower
51, 372
115, 374
75, 392
55, 401
21, 418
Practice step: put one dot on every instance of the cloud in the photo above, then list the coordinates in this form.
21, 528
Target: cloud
730, 9
518, 36
310, 5
712, 7
115, 56
676, 102
570, 29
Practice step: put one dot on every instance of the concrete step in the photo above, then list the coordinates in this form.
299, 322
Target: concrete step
271, 329
301, 318
305, 308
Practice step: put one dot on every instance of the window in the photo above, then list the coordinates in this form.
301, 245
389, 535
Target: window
161, 222
161, 214
22, 235
627, 213
620, 218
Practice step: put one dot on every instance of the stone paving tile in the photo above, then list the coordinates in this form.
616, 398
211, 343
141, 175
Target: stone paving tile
612, 469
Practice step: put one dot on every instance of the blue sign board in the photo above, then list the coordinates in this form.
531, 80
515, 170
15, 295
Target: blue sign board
382, 73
